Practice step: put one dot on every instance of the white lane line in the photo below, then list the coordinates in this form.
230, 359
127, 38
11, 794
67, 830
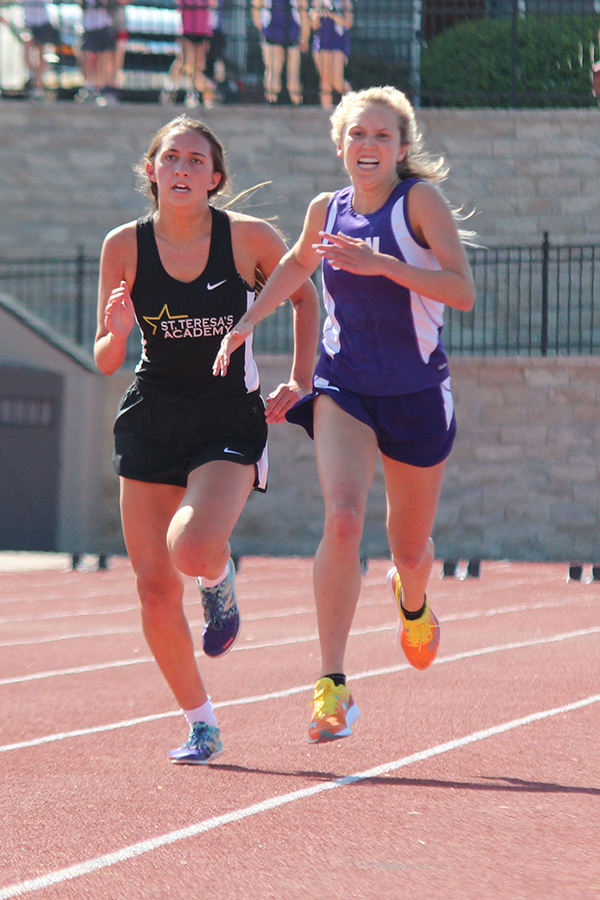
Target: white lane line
188, 602
69, 614
135, 629
238, 815
138, 660
298, 689
259, 616
282, 642
191, 596
42, 593
248, 617
75, 636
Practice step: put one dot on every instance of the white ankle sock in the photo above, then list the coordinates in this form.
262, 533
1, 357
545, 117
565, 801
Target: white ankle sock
202, 713
213, 582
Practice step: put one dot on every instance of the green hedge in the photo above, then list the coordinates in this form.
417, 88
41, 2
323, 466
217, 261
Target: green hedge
470, 64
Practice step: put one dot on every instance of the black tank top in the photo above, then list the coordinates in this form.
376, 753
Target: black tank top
183, 323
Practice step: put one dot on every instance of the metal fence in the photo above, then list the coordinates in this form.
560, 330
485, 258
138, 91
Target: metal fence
61, 293
531, 301
441, 52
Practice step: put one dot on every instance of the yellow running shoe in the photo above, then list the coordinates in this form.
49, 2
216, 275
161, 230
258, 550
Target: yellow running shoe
334, 711
419, 638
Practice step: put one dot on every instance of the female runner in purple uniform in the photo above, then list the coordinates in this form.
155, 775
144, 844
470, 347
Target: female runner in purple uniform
284, 29
331, 21
392, 258
189, 450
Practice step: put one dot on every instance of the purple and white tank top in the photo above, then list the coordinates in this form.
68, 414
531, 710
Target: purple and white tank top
379, 337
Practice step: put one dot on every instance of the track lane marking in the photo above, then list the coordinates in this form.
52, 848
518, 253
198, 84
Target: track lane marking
142, 847
144, 660
188, 603
89, 594
191, 592
68, 614
288, 692
258, 617
248, 617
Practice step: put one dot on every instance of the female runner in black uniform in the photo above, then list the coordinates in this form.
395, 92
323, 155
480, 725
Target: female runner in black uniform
189, 448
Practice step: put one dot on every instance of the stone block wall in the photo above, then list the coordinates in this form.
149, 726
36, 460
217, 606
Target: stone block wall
523, 171
522, 482
66, 170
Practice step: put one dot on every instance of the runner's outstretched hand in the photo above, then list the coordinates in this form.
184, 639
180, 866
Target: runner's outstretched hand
280, 400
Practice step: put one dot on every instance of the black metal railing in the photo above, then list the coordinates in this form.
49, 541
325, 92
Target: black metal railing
537, 300
531, 301
60, 292
511, 53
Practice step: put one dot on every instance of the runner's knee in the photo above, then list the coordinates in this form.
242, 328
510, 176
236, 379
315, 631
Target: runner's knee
344, 522
194, 554
411, 556
160, 595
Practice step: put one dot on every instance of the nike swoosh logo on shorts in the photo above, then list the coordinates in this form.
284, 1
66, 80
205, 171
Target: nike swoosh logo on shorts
227, 450
211, 287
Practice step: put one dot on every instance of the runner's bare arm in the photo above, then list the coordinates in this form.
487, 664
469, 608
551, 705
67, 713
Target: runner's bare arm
286, 277
115, 309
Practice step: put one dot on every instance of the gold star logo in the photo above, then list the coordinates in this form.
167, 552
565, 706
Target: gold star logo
164, 314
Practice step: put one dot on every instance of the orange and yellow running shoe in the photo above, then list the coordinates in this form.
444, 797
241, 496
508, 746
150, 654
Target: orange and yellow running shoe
334, 711
419, 638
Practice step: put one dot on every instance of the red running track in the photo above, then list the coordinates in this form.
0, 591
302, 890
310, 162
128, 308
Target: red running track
479, 778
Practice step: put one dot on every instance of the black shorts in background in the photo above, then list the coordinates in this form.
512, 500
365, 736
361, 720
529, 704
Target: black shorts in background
45, 34
99, 40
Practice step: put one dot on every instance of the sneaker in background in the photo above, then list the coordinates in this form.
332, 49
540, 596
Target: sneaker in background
192, 99
168, 93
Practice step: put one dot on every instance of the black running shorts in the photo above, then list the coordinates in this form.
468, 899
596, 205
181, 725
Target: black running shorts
161, 438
